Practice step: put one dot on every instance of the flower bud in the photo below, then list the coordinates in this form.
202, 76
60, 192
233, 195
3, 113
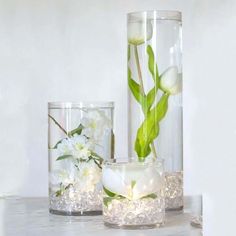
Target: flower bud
139, 31
171, 81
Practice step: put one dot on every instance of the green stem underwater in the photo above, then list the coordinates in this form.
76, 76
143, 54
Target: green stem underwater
64, 131
154, 150
139, 69
142, 90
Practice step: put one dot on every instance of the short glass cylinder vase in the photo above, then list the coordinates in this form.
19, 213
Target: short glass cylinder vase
80, 138
155, 94
133, 194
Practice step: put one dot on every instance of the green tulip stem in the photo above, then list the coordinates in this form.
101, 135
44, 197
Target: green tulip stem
139, 69
142, 89
154, 150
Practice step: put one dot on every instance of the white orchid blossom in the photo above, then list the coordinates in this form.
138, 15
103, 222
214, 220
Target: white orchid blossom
132, 182
139, 32
89, 175
65, 147
64, 177
171, 81
80, 170
80, 165
78, 146
85, 178
95, 124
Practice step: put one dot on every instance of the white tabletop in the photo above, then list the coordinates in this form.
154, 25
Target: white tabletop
30, 216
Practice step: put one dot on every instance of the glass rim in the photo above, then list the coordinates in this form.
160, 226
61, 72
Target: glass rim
156, 15
113, 162
68, 105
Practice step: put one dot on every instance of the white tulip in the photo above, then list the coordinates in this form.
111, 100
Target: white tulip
132, 181
150, 182
114, 182
139, 32
171, 81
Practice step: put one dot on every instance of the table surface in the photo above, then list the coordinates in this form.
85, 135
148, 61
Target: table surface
30, 216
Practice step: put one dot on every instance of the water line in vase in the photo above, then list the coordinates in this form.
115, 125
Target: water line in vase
142, 90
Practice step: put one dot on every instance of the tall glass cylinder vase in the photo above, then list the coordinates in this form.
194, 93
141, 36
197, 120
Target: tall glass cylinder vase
155, 94
80, 139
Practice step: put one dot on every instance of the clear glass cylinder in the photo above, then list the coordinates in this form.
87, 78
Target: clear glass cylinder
80, 138
155, 94
133, 194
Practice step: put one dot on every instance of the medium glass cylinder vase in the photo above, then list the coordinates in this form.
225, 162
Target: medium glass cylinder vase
155, 94
80, 138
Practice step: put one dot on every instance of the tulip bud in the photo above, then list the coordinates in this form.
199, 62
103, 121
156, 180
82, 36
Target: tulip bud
171, 81
139, 32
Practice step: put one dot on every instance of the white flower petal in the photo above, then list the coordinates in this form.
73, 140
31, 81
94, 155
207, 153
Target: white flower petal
61, 176
171, 81
78, 146
95, 124
150, 182
114, 182
139, 32
89, 175
133, 181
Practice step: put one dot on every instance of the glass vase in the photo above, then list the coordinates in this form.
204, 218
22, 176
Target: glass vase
80, 138
133, 194
155, 94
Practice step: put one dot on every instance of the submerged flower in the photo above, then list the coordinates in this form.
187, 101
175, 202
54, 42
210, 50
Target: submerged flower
78, 146
89, 175
85, 177
95, 124
171, 81
82, 146
65, 147
114, 182
139, 31
132, 182
64, 177
150, 182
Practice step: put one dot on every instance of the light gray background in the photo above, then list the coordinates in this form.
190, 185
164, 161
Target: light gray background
76, 50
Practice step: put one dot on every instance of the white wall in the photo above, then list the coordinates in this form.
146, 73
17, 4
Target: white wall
76, 50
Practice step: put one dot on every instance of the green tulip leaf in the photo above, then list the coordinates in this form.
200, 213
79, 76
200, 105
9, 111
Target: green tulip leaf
108, 192
151, 61
135, 88
107, 200
151, 98
149, 129
137, 92
152, 66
